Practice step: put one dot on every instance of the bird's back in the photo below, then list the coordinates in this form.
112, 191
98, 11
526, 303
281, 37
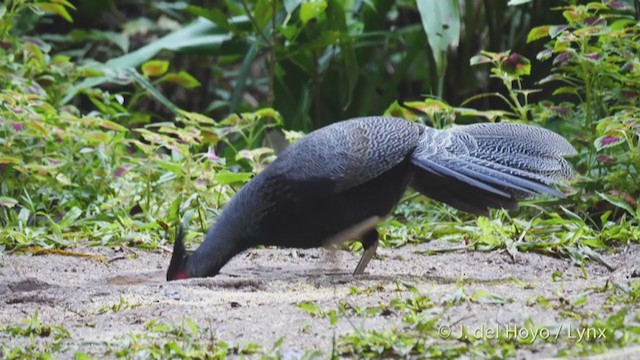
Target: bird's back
328, 181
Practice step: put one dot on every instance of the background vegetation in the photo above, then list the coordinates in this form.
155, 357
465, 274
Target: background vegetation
118, 119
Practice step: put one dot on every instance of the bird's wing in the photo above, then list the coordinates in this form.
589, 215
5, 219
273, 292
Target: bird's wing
350, 153
490, 165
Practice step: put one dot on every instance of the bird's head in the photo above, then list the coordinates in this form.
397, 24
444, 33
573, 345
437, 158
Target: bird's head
178, 266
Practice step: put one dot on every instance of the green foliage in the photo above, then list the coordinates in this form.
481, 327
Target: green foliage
44, 339
67, 177
595, 60
425, 328
86, 157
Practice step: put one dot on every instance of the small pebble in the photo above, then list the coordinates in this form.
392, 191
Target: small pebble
172, 294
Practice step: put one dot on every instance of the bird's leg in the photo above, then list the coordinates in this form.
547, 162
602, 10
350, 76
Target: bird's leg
370, 245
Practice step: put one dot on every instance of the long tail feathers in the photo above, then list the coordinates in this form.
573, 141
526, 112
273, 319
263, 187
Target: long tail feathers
479, 166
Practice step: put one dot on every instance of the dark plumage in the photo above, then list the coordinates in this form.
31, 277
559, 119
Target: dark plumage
338, 182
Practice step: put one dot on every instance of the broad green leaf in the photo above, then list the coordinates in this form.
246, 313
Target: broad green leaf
8, 202
292, 136
227, 177
152, 90
55, 9
65, 3
63, 179
173, 214
538, 33
97, 137
71, 216
518, 2
155, 67
616, 201
311, 9
429, 106
37, 126
214, 15
310, 307
566, 90
4, 159
263, 13
84, 36
197, 118
81, 356
110, 125
291, 5
441, 22
200, 37
170, 166
183, 79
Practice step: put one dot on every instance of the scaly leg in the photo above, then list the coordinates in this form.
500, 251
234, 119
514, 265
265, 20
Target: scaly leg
370, 245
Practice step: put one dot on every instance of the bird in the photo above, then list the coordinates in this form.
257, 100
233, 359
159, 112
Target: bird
338, 182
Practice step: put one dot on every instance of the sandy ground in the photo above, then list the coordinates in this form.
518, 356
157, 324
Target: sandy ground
255, 296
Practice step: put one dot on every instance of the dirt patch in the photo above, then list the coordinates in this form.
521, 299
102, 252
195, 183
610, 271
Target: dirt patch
255, 297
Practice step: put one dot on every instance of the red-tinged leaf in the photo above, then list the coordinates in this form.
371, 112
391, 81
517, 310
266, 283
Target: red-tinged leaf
571, 15
556, 30
593, 56
142, 146
591, 31
17, 127
180, 149
479, 59
605, 159
544, 54
607, 141
618, 5
90, 72
429, 106
98, 137
183, 79
37, 126
153, 137
155, 68
120, 171
516, 64
396, 110
561, 111
436, 106
110, 125
9, 160
185, 135
538, 33
595, 21
596, 6
197, 118
562, 58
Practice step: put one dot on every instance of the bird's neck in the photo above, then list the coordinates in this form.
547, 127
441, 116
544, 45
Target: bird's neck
219, 246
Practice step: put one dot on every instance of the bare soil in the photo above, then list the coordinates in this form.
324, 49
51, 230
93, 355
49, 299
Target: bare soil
255, 297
